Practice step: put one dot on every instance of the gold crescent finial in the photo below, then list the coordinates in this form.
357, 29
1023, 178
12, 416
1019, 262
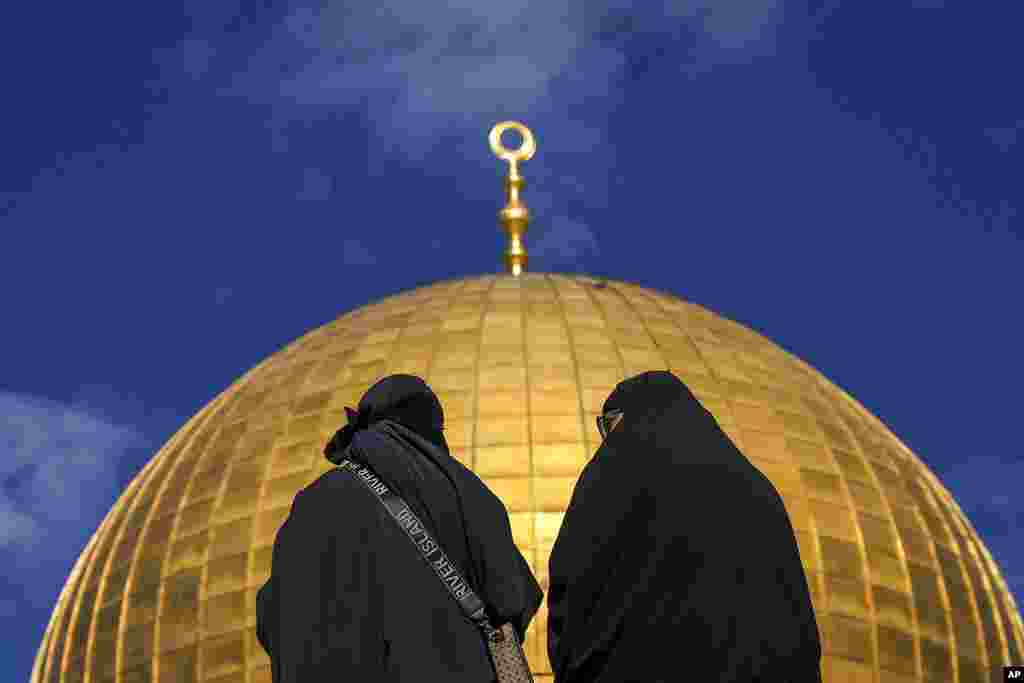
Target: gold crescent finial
515, 216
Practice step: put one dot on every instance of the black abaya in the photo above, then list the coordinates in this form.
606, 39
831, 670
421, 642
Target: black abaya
349, 597
676, 559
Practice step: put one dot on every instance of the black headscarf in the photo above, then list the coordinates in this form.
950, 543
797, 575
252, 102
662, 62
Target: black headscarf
676, 558
397, 432
405, 399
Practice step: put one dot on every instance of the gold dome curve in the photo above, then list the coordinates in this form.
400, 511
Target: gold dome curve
165, 590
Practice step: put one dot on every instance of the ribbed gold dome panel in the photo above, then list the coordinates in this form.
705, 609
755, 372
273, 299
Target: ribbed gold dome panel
165, 590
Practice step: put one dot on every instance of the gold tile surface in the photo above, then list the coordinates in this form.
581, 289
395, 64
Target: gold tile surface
904, 589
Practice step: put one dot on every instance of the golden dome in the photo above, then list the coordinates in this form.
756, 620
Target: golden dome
165, 590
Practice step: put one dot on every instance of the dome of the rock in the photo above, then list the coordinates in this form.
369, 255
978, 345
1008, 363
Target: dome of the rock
903, 587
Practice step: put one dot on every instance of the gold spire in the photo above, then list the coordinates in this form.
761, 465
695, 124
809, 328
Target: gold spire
515, 216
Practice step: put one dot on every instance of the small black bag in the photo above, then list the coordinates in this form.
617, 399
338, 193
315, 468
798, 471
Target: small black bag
506, 651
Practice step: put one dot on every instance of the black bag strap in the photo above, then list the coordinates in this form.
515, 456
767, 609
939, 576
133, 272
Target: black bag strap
427, 548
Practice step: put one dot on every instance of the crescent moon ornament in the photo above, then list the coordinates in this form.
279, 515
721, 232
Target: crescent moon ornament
526, 148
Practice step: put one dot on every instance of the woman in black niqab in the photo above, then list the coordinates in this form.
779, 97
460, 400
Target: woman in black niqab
676, 559
349, 598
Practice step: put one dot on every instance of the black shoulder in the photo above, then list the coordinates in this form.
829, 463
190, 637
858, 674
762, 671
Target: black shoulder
333, 488
335, 479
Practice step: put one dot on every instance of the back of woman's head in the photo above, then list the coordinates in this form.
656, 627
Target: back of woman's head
405, 399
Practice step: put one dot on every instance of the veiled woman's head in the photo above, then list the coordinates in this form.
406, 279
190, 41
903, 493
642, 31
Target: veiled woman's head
643, 395
405, 399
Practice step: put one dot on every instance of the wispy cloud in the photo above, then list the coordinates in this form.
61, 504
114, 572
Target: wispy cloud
353, 253
430, 76
1005, 137
222, 294
566, 245
196, 55
419, 70
59, 475
316, 185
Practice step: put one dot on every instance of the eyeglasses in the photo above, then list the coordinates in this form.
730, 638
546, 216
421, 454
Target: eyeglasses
607, 422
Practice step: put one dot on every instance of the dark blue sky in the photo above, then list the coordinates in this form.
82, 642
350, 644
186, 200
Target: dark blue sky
185, 188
